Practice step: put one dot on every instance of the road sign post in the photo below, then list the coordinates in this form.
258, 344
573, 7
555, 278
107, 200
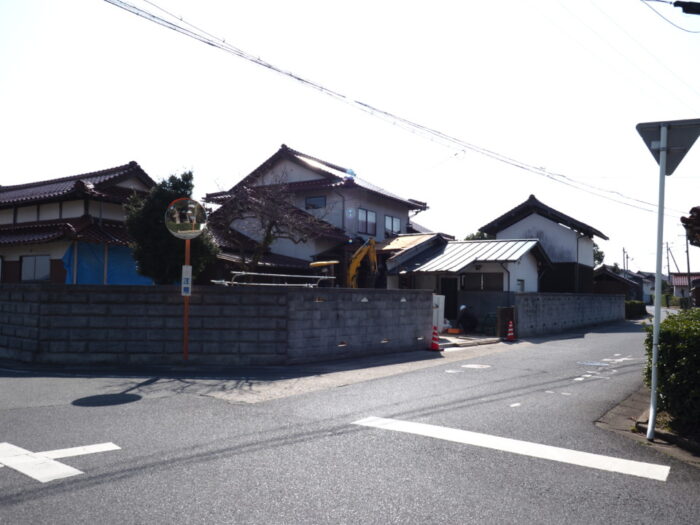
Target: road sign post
185, 219
668, 142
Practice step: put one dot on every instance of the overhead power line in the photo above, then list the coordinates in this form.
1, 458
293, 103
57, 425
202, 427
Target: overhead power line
434, 135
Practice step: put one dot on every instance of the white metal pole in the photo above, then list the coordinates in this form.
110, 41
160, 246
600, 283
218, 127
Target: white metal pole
663, 146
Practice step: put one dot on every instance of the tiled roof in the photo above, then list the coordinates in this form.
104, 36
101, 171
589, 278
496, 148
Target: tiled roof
334, 176
681, 279
82, 229
98, 184
532, 205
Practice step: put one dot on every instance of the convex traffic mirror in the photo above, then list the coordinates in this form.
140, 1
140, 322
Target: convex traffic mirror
185, 218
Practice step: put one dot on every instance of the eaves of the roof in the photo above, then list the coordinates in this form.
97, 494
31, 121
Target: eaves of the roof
605, 271
532, 205
98, 185
84, 229
267, 261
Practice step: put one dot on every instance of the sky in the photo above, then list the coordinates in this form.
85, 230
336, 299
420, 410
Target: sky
558, 85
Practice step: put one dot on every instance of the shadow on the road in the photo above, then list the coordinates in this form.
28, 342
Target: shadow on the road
121, 398
105, 400
618, 327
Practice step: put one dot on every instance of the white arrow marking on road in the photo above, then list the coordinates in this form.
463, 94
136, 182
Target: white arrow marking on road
525, 448
42, 466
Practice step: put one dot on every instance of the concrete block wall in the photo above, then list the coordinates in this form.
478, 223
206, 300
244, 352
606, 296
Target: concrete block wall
547, 313
81, 324
19, 322
332, 323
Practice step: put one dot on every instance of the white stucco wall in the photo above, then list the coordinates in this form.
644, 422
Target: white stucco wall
56, 250
106, 210
27, 213
73, 209
133, 184
525, 269
49, 211
559, 242
359, 198
286, 172
7, 215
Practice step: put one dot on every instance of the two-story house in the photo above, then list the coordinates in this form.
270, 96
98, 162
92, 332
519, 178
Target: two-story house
568, 243
351, 209
70, 230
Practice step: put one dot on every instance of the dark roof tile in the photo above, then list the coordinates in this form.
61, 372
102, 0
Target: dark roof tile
99, 184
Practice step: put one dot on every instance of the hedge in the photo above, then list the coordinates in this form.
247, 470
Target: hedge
678, 370
635, 309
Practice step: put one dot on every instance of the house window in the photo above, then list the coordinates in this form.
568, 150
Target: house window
483, 282
366, 221
520, 285
392, 226
315, 203
35, 268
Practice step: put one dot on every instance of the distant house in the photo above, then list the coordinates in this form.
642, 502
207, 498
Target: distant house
350, 209
679, 281
568, 243
608, 281
70, 230
481, 274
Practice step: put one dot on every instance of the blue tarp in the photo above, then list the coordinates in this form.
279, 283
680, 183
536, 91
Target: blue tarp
121, 267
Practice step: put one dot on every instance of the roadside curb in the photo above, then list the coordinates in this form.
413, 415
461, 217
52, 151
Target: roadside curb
642, 425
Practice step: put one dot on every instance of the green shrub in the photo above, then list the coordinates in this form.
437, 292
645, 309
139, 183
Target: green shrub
678, 369
635, 309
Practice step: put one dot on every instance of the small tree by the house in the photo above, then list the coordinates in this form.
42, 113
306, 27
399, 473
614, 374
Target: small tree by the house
264, 214
598, 255
158, 254
478, 236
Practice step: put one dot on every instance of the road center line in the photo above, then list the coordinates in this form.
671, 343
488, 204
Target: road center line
525, 448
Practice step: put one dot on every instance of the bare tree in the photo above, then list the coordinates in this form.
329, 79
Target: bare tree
263, 214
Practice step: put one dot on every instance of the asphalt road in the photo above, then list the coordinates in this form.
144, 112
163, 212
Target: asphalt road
283, 446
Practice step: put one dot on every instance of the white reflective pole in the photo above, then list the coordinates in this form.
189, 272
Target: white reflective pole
663, 146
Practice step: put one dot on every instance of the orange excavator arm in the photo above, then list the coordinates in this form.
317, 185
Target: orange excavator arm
368, 249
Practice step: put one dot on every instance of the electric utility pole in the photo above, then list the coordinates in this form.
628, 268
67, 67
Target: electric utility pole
690, 8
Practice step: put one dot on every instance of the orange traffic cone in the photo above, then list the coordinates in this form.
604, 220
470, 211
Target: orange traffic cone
511, 334
435, 343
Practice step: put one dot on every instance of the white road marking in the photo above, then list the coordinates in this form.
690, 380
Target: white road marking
42, 466
514, 405
451, 371
578, 378
566, 393
525, 448
549, 391
78, 451
476, 366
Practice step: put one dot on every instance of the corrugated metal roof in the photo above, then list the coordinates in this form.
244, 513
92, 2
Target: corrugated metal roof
456, 255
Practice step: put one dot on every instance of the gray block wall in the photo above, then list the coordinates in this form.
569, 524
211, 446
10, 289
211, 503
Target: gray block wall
81, 324
547, 313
